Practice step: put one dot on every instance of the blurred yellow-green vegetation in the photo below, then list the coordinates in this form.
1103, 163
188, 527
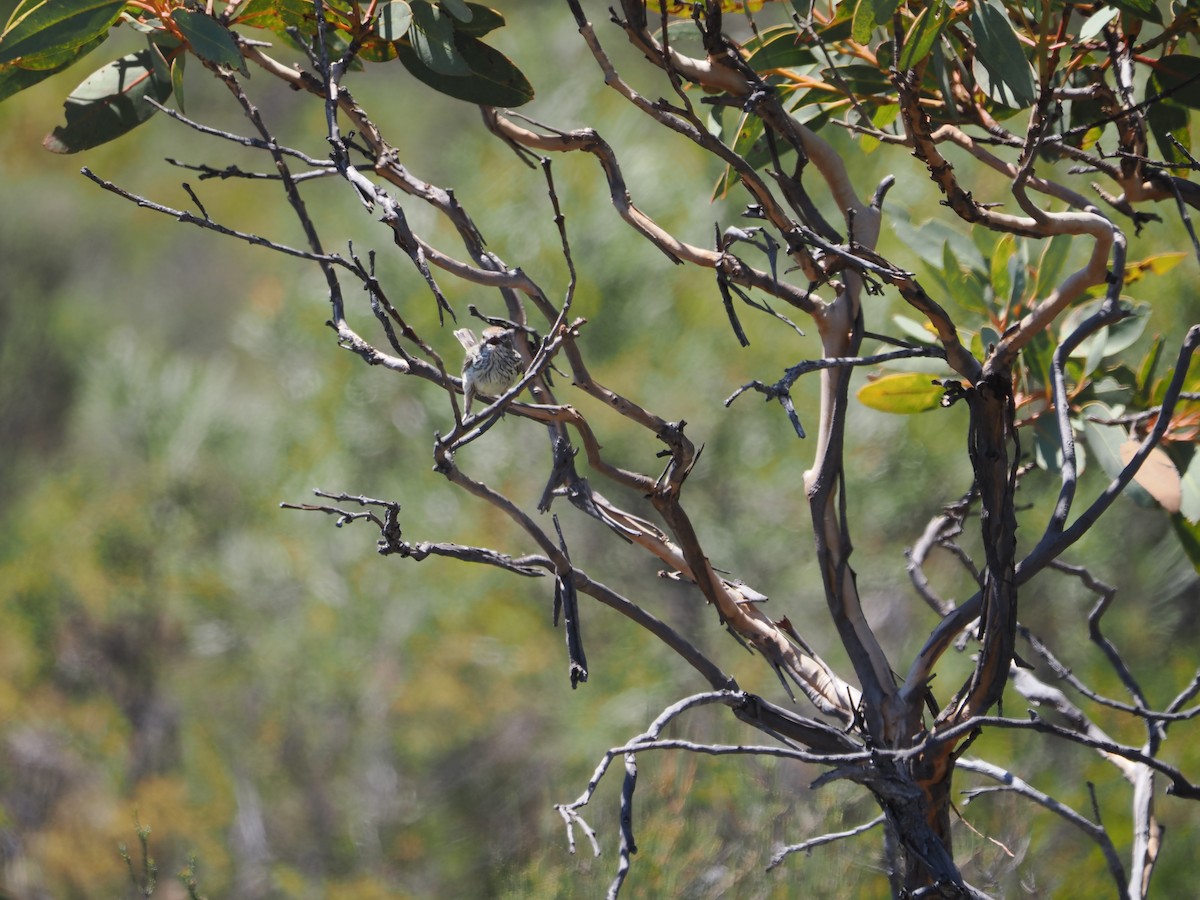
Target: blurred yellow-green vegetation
307, 719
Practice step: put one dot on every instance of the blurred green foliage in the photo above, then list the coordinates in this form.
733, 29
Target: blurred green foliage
310, 720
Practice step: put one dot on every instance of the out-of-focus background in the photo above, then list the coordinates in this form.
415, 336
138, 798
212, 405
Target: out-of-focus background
308, 719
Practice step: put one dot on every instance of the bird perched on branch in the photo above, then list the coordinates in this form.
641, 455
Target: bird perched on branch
492, 364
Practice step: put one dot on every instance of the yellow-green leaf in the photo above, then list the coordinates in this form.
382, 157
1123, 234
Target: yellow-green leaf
903, 393
1163, 262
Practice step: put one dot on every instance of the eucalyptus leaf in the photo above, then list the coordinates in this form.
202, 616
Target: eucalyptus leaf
432, 39
209, 39
781, 47
923, 34
458, 8
492, 79
53, 31
484, 20
14, 78
109, 103
903, 393
1050, 266
1177, 78
392, 20
869, 15
999, 52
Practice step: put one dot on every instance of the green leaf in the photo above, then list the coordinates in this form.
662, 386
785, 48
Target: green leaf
781, 47
1146, 369
999, 52
1050, 266
1189, 538
1170, 120
54, 30
14, 78
927, 239
209, 39
261, 14
962, 284
903, 393
177, 80
432, 39
108, 103
393, 20
923, 34
868, 15
1108, 341
1176, 77
915, 330
484, 19
1141, 9
1095, 23
1190, 503
1105, 442
1047, 446
457, 8
492, 80
1001, 270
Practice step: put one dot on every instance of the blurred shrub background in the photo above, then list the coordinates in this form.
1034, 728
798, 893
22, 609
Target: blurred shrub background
263, 691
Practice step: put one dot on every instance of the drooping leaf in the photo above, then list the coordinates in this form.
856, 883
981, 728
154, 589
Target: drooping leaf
781, 47
870, 14
393, 20
923, 34
1048, 450
1142, 9
484, 20
1104, 442
1145, 373
684, 7
1189, 504
1188, 534
926, 239
1177, 78
903, 393
177, 81
1001, 270
458, 8
1157, 475
1169, 123
261, 14
492, 79
15, 78
209, 39
1107, 341
1094, 24
1050, 266
961, 284
998, 51
52, 31
881, 118
914, 330
109, 103
432, 38
1156, 265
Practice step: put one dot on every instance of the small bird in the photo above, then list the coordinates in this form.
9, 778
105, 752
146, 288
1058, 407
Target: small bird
492, 364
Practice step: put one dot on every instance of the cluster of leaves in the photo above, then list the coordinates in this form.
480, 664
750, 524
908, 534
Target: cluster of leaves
997, 282
439, 43
972, 63
976, 67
